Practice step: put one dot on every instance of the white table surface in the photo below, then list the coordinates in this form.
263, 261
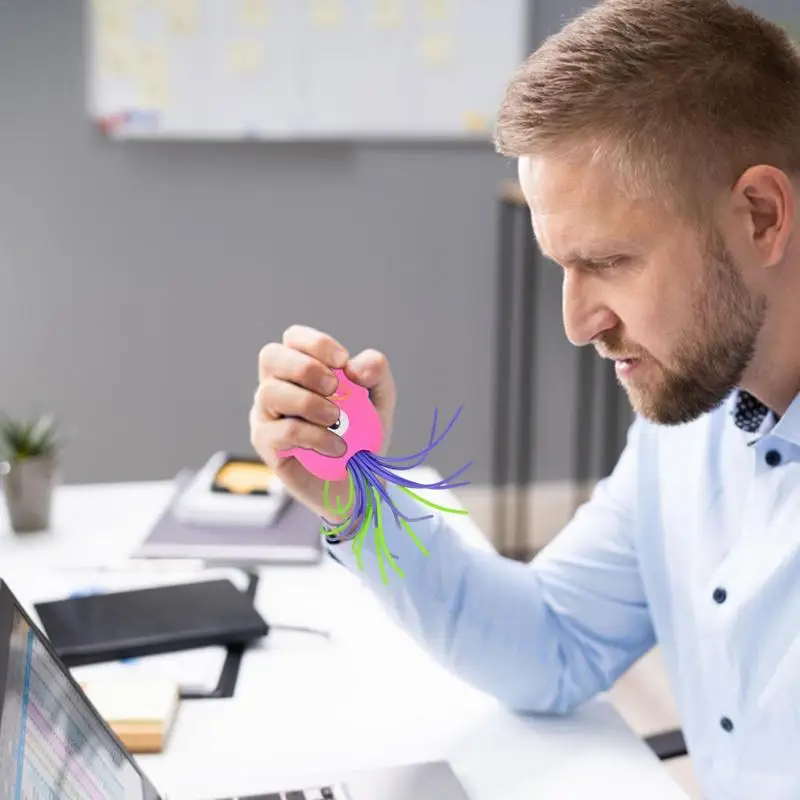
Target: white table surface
368, 696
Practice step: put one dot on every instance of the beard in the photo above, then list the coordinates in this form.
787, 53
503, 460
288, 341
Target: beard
712, 354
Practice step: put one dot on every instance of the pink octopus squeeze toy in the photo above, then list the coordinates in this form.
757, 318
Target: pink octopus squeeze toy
362, 431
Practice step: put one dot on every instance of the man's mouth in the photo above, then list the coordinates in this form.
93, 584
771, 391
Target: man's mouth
625, 366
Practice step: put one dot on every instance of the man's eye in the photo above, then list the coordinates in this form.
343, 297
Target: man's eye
609, 263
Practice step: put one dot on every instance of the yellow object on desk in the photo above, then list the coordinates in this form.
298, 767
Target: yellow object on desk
140, 712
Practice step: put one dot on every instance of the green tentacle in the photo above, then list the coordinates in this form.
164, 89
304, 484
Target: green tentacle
432, 505
358, 542
381, 542
413, 536
351, 494
373, 515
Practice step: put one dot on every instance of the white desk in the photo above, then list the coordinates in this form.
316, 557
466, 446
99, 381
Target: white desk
366, 697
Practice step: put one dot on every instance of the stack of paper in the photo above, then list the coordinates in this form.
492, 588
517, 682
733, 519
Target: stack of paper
140, 712
197, 670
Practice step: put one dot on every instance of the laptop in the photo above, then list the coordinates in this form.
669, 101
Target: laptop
54, 744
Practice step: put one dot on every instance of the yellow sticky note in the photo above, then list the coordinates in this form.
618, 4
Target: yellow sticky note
387, 14
475, 122
101, 7
154, 93
326, 13
116, 56
437, 9
151, 59
182, 15
112, 21
255, 13
246, 55
437, 50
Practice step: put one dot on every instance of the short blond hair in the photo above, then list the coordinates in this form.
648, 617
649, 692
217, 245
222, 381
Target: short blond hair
678, 97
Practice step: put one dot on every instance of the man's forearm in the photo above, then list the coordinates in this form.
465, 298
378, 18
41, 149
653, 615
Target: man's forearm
481, 615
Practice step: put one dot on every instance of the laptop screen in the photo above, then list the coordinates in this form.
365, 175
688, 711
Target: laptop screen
52, 744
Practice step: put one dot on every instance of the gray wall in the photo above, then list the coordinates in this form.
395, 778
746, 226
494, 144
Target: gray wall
139, 281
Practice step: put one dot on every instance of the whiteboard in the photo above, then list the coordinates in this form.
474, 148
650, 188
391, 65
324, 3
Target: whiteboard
302, 69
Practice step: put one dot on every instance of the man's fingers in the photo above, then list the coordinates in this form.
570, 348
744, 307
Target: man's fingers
287, 364
317, 344
269, 438
278, 398
370, 368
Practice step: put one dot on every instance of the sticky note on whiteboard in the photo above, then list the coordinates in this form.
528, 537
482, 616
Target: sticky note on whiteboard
116, 56
387, 14
255, 13
115, 7
182, 15
475, 122
437, 50
112, 21
246, 55
326, 13
436, 9
154, 93
151, 60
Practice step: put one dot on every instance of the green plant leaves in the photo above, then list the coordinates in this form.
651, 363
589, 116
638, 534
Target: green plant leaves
28, 438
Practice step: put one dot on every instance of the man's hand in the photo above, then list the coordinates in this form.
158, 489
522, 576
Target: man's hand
291, 409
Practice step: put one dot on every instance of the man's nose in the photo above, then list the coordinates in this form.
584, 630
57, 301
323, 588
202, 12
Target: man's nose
585, 314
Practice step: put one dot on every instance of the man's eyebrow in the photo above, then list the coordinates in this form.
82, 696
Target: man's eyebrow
591, 255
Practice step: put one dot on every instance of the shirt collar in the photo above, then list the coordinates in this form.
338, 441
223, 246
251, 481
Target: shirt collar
788, 426
752, 416
749, 413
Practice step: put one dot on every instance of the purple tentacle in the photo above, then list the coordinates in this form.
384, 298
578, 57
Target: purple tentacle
359, 507
361, 478
363, 466
366, 469
396, 511
424, 452
386, 471
393, 477
432, 443
444, 483
384, 494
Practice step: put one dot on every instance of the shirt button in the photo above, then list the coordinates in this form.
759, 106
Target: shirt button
719, 595
773, 458
727, 725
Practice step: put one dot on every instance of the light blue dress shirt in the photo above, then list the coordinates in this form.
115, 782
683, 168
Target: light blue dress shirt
692, 543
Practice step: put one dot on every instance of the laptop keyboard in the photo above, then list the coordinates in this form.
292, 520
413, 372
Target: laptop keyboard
315, 793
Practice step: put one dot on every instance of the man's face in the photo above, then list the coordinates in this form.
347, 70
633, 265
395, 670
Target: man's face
673, 312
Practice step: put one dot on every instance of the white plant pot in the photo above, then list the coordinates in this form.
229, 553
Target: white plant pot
28, 486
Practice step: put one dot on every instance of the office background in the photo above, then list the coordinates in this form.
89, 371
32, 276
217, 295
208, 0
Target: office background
138, 281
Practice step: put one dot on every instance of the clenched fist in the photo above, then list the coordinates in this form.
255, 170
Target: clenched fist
291, 408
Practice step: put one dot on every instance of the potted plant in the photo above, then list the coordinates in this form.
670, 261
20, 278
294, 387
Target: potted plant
29, 456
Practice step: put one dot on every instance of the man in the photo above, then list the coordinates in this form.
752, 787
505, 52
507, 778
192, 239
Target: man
658, 147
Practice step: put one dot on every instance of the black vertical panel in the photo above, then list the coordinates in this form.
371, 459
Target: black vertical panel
584, 415
526, 410
610, 435
502, 392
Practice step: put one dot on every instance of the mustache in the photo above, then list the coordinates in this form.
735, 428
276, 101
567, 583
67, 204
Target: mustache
615, 349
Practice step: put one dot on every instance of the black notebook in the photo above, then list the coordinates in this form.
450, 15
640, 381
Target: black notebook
142, 622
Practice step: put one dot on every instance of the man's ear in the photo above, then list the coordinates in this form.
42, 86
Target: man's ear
766, 200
